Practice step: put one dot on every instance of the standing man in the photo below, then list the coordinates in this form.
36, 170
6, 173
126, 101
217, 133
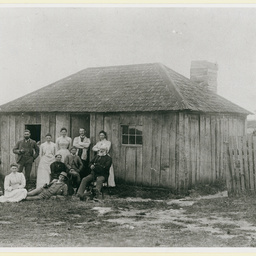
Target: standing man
82, 143
27, 151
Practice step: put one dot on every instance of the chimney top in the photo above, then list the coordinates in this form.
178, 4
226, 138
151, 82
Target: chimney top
205, 73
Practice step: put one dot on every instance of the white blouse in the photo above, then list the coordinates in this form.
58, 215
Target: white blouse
14, 181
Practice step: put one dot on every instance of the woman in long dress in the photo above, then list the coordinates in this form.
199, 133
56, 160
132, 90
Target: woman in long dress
63, 144
14, 186
48, 151
107, 144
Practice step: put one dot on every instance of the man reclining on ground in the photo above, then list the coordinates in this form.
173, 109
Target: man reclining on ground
55, 188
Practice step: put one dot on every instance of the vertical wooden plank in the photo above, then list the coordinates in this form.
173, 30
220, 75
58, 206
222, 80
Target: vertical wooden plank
250, 162
224, 123
12, 141
99, 123
5, 144
165, 155
52, 123
116, 146
187, 170
207, 149
123, 170
92, 133
172, 145
156, 148
245, 160
197, 148
236, 165
45, 126
130, 164
213, 148
147, 148
19, 128
241, 164
232, 164
228, 172
62, 120
191, 165
139, 167
217, 147
202, 148
107, 127
181, 154
254, 158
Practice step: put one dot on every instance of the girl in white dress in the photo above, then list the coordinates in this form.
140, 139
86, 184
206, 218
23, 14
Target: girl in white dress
14, 186
63, 144
107, 144
48, 151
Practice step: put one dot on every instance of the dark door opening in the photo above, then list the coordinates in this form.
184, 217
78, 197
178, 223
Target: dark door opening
35, 130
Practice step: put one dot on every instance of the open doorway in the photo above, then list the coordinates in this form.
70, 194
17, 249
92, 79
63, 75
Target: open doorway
35, 130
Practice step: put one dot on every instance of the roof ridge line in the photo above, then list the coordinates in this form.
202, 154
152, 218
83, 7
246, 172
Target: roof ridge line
170, 82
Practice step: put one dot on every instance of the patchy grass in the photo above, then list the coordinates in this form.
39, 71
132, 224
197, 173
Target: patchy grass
130, 217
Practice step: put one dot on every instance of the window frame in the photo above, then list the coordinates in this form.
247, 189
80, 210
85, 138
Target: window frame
121, 135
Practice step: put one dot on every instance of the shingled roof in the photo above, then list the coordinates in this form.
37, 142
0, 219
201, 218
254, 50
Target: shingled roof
142, 87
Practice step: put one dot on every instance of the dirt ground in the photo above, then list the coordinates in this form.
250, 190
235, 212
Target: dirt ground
121, 220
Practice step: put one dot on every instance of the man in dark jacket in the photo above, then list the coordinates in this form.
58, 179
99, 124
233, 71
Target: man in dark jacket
27, 151
99, 166
74, 166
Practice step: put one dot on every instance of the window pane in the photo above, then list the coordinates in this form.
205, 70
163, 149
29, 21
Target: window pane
132, 130
124, 129
139, 140
124, 139
131, 139
139, 130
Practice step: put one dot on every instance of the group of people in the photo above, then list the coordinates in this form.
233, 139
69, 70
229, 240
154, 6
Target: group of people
64, 167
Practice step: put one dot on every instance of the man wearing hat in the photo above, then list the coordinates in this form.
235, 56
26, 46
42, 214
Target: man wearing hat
57, 187
99, 166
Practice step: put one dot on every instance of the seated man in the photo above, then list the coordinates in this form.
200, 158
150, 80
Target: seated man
99, 166
57, 167
54, 188
74, 165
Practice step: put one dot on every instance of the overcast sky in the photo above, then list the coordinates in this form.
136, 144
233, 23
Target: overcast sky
41, 45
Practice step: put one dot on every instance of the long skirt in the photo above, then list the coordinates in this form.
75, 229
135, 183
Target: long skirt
43, 171
14, 195
111, 177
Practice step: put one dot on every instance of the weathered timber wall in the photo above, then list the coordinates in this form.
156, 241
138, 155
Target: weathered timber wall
179, 149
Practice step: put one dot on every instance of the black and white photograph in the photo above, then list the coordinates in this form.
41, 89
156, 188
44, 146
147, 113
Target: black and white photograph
127, 126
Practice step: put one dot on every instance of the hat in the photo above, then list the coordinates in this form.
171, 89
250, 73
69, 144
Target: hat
64, 174
72, 148
14, 164
58, 155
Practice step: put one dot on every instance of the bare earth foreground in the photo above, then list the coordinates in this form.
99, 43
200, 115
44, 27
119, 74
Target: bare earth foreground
121, 221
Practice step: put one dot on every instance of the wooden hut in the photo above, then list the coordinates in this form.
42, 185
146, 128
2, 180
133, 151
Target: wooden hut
166, 130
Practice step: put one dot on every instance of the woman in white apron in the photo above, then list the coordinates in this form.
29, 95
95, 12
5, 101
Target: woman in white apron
48, 151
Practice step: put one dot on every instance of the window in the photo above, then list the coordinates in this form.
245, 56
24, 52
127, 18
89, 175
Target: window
131, 134
35, 130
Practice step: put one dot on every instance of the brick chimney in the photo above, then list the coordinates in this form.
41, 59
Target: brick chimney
205, 73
